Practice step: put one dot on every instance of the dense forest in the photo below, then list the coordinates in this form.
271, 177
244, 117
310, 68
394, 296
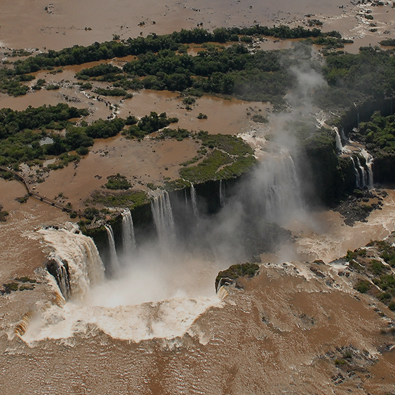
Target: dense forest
355, 78
226, 63
11, 78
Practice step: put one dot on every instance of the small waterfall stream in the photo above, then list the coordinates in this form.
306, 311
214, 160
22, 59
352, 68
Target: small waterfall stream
194, 201
114, 263
369, 163
163, 216
363, 173
339, 145
356, 172
221, 194
128, 238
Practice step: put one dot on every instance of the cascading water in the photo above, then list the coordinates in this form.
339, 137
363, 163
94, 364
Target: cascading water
221, 194
339, 145
194, 201
135, 306
369, 163
60, 270
343, 136
356, 172
280, 186
128, 238
114, 263
77, 261
363, 174
163, 216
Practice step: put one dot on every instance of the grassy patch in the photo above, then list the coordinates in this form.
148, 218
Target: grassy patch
226, 157
363, 286
120, 199
207, 169
117, 182
235, 271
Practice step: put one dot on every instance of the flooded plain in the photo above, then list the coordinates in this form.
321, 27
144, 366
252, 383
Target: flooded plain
280, 333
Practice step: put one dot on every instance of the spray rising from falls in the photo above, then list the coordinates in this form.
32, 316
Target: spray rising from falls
163, 216
77, 261
139, 305
280, 187
128, 238
113, 252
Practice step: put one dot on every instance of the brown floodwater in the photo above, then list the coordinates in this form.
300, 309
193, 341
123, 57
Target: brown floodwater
148, 161
27, 25
276, 335
224, 116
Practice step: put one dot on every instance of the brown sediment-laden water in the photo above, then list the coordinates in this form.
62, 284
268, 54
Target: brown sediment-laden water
156, 324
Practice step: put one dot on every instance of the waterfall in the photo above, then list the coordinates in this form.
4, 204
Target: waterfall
339, 145
113, 252
280, 188
363, 174
343, 136
194, 202
75, 259
356, 172
369, 164
221, 194
128, 239
60, 270
163, 216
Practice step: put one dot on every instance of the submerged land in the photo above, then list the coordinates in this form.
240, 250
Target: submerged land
269, 128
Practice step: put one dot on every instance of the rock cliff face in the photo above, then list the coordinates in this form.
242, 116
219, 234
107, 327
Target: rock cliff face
332, 176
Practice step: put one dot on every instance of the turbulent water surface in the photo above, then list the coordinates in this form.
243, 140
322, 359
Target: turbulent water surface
147, 320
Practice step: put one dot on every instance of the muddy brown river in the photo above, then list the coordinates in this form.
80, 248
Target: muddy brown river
161, 328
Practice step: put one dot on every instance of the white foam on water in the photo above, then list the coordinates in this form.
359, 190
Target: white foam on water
167, 319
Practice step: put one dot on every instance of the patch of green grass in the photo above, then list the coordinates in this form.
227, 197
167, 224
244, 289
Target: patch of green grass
239, 270
377, 267
120, 199
207, 169
178, 134
23, 199
202, 116
231, 144
386, 282
25, 279
117, 182
191, 161
230, 157
237, 168
176, 184
363, 286
3, 214
259, 118
10, 287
